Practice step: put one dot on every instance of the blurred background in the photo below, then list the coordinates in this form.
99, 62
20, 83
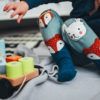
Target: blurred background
63, 8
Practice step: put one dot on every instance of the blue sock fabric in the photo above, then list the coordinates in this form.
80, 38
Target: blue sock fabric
66, 68
50, 25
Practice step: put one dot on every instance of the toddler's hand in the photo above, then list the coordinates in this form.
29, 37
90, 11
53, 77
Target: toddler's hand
20, 8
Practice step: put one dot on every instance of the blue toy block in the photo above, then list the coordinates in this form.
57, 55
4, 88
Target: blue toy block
2, 57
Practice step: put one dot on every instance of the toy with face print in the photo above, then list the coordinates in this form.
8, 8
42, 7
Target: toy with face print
82, 38
50, 26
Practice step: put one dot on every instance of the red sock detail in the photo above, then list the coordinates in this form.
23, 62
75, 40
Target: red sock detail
53, 42
94, 48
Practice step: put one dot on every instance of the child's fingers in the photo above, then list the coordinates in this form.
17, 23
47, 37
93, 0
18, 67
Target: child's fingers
7, 6
10, 8
16, 12
19, 18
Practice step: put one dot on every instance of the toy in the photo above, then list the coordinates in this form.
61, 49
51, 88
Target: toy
12, 58
18, 81
2, 57
27, 61
16, 71
2, 65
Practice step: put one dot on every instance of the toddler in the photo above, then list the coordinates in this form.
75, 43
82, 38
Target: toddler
59, 36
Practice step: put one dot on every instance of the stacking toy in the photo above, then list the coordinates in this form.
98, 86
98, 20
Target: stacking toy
2, 66
19, 71
14, 70
2, 57
28, 64
12, 58
2, 48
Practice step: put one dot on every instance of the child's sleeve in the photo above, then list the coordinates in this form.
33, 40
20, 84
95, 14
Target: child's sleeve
34, 3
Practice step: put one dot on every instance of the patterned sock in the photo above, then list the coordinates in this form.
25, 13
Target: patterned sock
93, 52
50, 25
62, 58
82, 38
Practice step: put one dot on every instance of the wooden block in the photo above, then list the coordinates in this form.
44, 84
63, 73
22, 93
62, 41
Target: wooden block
18, 81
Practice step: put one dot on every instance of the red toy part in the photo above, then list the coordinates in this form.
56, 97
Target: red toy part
13, 58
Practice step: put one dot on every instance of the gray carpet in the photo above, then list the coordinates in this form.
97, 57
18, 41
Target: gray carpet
85, 86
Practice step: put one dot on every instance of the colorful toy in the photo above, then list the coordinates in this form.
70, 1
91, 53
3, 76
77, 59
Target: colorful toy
12, 58
2, 65
2, 57
18, 81
27, 61
16, 72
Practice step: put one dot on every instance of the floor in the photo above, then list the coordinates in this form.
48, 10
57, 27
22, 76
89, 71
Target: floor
86, 85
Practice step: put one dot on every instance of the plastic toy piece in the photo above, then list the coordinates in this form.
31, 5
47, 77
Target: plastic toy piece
2, 48
14, 70
13, 58
2, 65
27, 64
18, 81
2, 57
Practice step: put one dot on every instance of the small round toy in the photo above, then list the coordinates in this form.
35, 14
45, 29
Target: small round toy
12, 58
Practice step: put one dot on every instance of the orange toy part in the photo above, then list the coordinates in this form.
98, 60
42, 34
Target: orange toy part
13, 58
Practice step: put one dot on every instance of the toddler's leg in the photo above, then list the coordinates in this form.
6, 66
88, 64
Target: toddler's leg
81, 37
50, 26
